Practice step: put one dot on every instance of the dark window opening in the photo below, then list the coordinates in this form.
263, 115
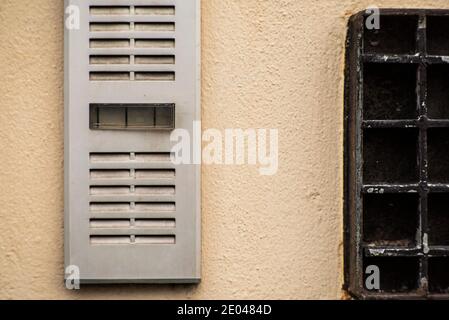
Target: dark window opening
397, 35
398, 274
437, 35
438, 155
438, 91
439, 275
438, 210
390, 219
389, 91
390, 156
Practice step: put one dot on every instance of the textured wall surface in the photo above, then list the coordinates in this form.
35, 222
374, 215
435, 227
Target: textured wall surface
266, 64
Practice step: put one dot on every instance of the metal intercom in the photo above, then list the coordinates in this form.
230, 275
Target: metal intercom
132, 70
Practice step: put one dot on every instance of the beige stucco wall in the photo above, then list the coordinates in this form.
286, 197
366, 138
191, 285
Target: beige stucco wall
266, 63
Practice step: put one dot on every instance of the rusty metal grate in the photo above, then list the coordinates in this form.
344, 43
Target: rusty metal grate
397, 154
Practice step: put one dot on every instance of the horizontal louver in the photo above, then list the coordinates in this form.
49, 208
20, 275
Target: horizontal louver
133, 200
132, 43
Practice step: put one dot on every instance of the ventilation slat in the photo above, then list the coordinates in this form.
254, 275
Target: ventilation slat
109, 43
155, 76
155, 59
131, 215
149, 199
138, 10
157, 69
109, 10
131, 165
141, 76
155, 240
110, 223
138, 190
154, 26
132, 18
122, 240
110, 157
155, 43
110, 190
109, 76
133, 181
139, 223
155, 190
110, 240
125, 59
126, 157
109, 59
155, 174
138, 35
155, 206
155, 223
126, 206
153, 157
154, 10
135, 51
110, 207
130, 231
109, 174
109, 26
